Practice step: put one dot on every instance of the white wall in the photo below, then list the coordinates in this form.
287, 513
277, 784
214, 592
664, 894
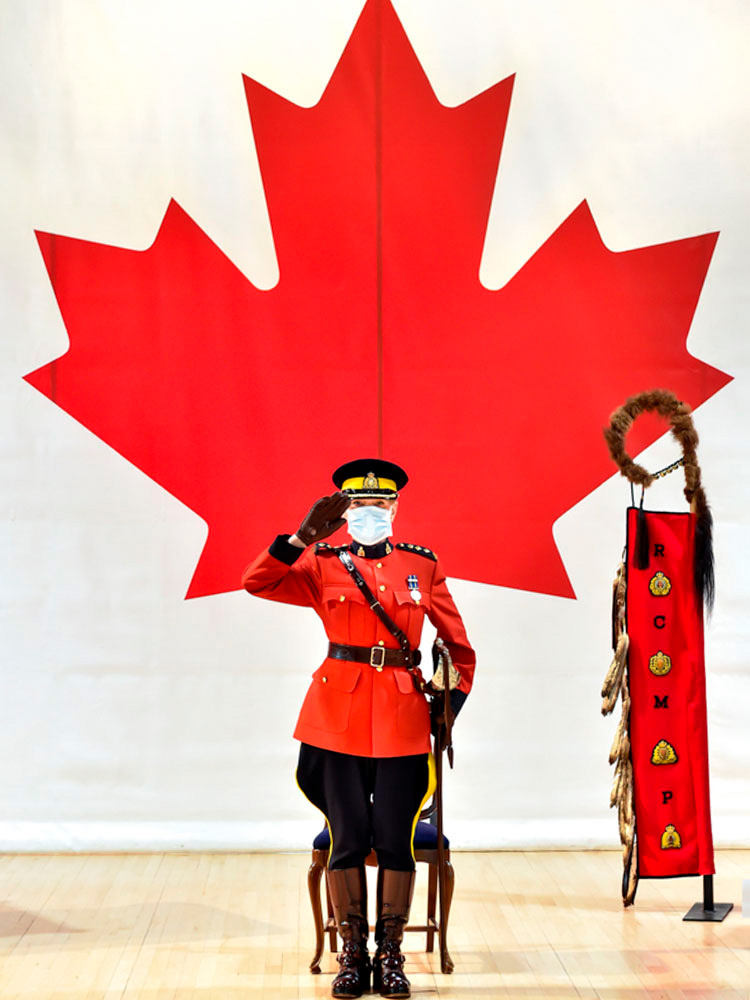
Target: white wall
132, 718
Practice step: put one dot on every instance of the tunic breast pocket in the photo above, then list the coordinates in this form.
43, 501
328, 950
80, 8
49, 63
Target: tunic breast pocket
404, 598
413, 713
328, 703
342, 608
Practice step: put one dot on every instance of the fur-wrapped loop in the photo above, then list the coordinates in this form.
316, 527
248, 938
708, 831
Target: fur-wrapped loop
679, 415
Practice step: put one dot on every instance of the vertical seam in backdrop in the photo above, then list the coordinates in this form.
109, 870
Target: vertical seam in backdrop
379, 214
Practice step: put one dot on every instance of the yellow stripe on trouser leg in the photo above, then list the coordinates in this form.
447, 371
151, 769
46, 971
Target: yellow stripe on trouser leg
431, 786
330, 831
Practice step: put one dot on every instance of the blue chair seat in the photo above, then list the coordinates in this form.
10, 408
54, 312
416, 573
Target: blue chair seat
425, 838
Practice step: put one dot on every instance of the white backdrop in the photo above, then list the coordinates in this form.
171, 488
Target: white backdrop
131, 718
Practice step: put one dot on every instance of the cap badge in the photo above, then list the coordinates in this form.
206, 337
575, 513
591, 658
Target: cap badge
412, 583
371, 482
660, 664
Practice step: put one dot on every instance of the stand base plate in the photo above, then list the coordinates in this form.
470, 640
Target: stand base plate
697, 912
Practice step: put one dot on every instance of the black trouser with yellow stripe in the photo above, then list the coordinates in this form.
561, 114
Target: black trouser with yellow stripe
369, 803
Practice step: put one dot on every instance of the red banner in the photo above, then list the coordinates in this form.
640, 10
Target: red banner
668, 729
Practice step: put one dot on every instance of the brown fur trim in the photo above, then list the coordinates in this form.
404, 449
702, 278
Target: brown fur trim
683, 430
678, 414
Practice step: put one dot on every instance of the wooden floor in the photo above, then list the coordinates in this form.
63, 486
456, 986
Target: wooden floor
545, 925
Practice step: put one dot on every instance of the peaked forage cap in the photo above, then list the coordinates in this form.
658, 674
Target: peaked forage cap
370, 477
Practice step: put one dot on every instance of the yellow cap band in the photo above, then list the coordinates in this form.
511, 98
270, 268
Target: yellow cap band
358, 483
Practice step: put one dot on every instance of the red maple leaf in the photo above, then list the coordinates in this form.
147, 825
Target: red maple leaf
378, 336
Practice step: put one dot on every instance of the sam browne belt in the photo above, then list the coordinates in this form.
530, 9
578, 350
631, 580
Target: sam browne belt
376, 656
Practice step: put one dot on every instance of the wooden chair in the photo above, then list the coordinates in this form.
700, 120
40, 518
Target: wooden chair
425, 850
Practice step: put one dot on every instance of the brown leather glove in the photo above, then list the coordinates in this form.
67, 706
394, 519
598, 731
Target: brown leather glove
323, 518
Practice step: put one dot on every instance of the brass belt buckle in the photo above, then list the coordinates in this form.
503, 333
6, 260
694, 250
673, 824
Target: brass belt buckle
378, 664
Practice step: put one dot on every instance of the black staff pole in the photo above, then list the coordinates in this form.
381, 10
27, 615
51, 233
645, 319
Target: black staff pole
708, 910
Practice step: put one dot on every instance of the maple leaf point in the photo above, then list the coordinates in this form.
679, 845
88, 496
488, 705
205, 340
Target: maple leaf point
378, 336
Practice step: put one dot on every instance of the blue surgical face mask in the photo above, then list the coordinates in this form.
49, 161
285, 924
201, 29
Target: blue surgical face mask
369, 525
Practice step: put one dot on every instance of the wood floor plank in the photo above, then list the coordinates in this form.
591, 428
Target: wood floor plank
525, 925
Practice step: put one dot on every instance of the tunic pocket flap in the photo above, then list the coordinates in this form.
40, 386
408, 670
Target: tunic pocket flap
338, 674
340, 593
404, 682
404, 597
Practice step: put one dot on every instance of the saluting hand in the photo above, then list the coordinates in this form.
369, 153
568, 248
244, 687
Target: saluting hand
323, 518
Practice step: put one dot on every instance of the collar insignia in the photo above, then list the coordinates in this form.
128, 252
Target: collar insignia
376, 551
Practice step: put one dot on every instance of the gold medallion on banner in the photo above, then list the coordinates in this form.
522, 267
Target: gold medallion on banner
663, 753
660, 664
371, 482
670, 839
659, 585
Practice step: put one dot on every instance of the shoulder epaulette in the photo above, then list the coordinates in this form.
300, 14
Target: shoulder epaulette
420, 550
324, 548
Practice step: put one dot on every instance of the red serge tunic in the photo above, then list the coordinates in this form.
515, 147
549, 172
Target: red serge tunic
352, 707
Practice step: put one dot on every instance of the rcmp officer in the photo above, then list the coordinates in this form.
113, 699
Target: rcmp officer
364, 726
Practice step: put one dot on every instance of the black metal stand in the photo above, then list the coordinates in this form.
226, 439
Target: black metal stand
708, 910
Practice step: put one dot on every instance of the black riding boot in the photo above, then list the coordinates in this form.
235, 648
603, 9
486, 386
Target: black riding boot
395, 891
348, 889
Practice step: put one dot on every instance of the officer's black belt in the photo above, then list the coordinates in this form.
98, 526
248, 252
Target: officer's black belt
376, 656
